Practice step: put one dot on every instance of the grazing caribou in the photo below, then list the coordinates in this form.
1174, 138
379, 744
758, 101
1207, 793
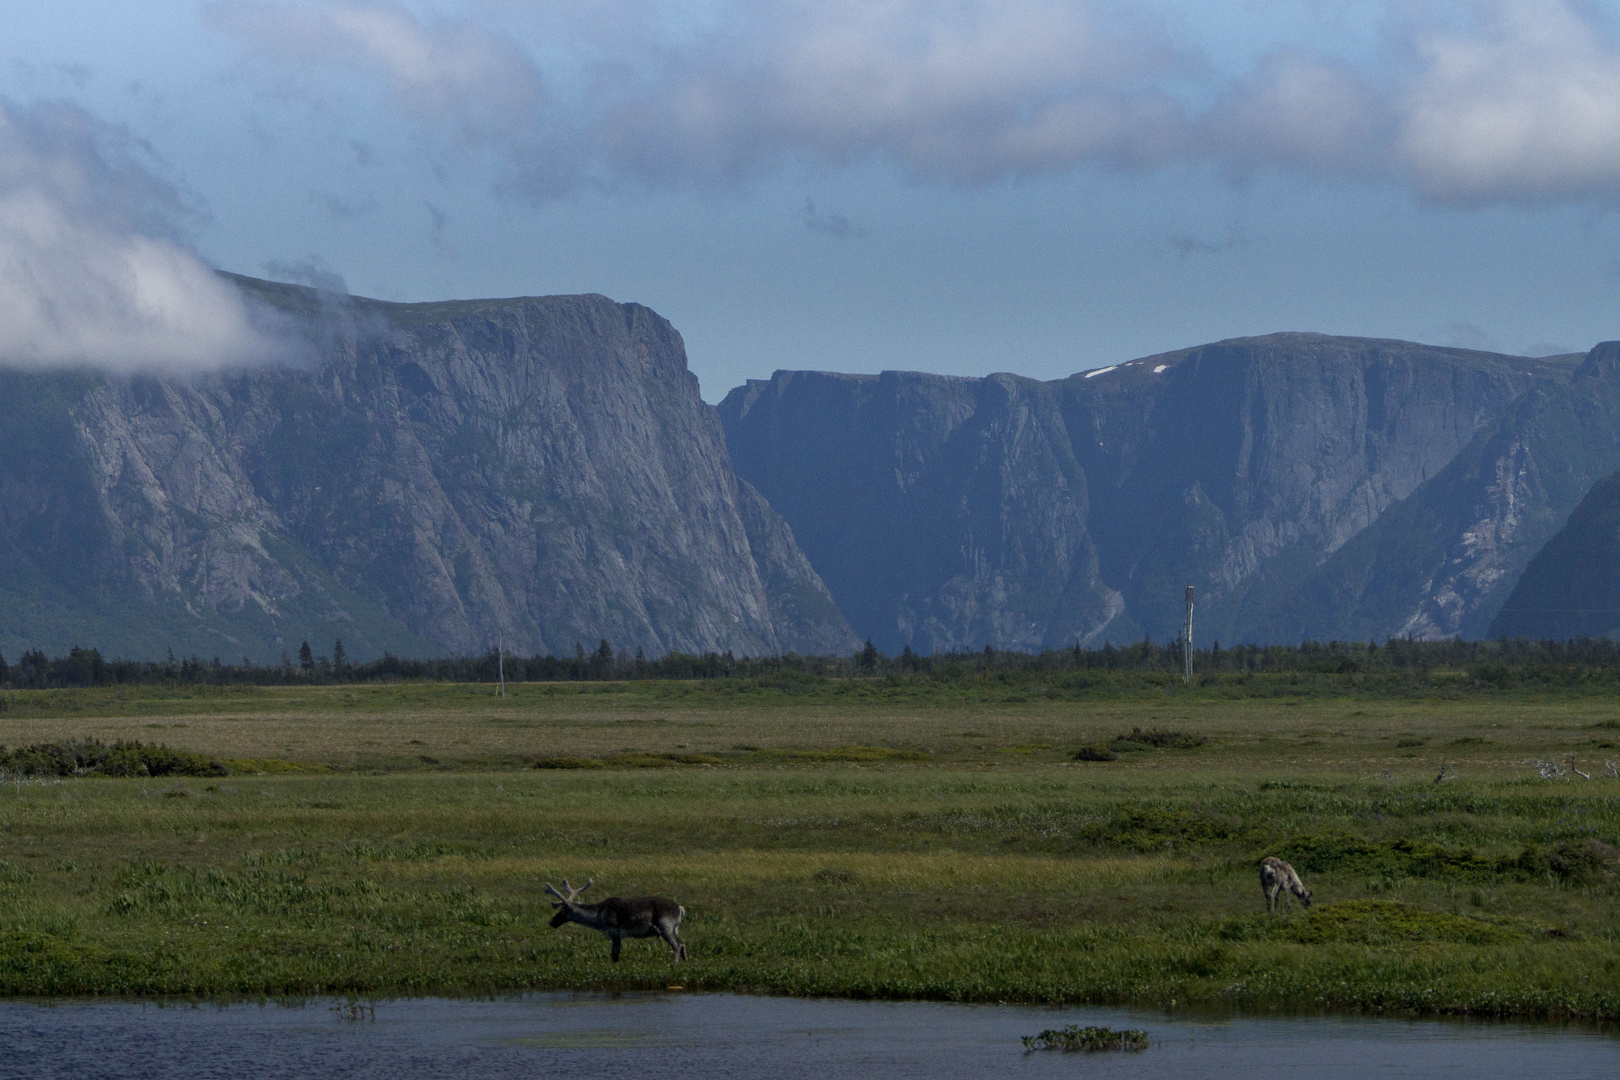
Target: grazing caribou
1276, 876
638, 916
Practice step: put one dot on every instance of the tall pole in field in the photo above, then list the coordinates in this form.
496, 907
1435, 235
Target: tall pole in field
500, 661
1186, 636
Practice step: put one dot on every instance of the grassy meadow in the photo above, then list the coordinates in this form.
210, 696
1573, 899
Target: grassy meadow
862, 838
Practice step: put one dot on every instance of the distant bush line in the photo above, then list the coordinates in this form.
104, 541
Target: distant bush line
1396, 665
80, 757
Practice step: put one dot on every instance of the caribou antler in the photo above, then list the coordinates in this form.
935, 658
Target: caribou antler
573, 893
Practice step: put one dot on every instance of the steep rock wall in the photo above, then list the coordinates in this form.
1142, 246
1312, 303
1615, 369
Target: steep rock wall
956, 513
542, 469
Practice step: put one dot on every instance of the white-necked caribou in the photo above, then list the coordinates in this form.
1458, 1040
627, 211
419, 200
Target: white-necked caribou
1277, 880
617, 919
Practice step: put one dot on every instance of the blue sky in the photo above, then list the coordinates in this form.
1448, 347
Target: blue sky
1037, 186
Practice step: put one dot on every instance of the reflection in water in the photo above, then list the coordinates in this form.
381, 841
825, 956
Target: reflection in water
723, 1035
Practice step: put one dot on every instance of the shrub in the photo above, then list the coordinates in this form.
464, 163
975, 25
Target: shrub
642, 761
1159, 739
1095, 753
1390, 923
1402, 856
135, 759
1572, 860
272, 766
851, 753
74, 757
628, 761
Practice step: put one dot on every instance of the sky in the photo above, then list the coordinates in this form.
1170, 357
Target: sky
958, 186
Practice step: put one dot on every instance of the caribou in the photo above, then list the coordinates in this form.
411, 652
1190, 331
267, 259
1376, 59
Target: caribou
616, 919
1276, 876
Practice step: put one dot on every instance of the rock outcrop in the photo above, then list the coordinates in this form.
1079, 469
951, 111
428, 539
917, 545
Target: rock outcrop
538, 469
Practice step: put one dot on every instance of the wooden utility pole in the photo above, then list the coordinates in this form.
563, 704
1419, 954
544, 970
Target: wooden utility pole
500, 661
1186, 636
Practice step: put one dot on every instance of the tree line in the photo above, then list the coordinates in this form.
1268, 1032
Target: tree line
1502, 663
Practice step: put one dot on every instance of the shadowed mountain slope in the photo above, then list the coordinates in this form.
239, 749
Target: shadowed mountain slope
941, 512
955, 513
1571, 588
1460, 543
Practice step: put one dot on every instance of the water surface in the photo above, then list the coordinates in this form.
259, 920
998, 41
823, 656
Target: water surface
724, 1035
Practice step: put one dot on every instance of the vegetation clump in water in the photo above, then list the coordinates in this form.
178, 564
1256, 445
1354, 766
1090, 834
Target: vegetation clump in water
1074, 1037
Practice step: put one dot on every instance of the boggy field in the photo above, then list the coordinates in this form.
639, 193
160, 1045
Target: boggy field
848, 839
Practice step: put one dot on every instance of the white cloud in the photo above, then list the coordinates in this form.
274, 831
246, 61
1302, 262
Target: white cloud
965, 90
1500, 100
472, 85
1523, 107
91, 270
1303, 112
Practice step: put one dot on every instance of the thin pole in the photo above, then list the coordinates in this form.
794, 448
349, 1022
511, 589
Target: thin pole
1186, 636
500, 662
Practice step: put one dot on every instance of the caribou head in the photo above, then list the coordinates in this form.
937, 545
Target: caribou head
566, 905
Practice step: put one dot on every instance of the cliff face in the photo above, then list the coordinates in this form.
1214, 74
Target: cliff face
543, 470
1445, 560
539, 469
955, 513
1571, 587
944, 513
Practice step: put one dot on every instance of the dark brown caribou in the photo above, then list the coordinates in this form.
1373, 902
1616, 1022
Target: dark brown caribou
616, 919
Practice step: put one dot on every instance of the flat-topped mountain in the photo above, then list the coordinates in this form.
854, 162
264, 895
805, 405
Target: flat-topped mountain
432, 478
1309, 486
540, 470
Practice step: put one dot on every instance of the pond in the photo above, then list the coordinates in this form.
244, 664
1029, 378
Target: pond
725, 1035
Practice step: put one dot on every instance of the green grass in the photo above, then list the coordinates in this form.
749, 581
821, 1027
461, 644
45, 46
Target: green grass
952, 851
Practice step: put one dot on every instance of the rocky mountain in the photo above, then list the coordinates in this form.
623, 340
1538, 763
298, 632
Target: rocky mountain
942, 512
438, 475
1445, 560
1309, 486
1572, 586
427, 478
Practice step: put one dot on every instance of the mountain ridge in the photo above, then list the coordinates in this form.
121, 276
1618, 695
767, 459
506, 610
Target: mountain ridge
1241, 466
429, 478
540, 470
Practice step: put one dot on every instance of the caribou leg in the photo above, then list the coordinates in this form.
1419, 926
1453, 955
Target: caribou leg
616, 941
673, 936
